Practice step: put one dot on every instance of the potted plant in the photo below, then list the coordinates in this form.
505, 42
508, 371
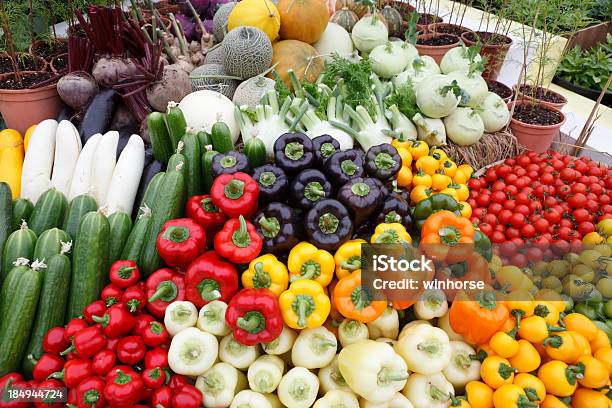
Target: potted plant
436, 44
455, 21
501, 89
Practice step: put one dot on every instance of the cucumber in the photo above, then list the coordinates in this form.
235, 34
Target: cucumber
51, 242
221, 137
22, 209
79, 206
20, 244
6, 213
178, 162
120, 226
191, 151
89, 263
255, 150
51, 307
152, 189
134, 244
48, 212
204, 139
177, 126
207, 175
160, 138
18, 317
5, 299
168, 205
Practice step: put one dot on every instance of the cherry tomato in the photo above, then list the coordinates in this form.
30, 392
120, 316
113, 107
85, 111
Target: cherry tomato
552, 216
509, 204
512, 232
490, 218
585, 227
596, 188
504, 216
541, 225
485, 228
581, 214
547, 178
497, 237
577, 200
579, 188
483, 200
534, 254
495, 208
523, 209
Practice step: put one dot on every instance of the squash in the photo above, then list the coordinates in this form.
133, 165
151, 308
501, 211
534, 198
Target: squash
357, 7
394, 21
303, 20
261, 14
302, 58
345, 18
11, 163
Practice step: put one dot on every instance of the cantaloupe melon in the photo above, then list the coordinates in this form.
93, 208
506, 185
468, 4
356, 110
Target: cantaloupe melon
302, 58
247, 52
251, 91
220, 20
213, 77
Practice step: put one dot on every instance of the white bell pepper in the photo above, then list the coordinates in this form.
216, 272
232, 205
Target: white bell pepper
444, 324
411, 324
298, 388
337, 399
426, 349
331, 378
314, 348
282, 343
236, 354
385, 325
428, 391
180, 316
220, 384
373, 370
387, 340
252, 399
192, 352
462, 367
265, 373
398, 401
351, 331
212, 319
432, 303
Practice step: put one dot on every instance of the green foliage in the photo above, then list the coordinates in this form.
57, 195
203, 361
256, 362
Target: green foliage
355, 77
404, 98
588, 68
601, 10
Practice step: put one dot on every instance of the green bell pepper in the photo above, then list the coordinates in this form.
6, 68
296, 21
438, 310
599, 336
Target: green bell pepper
482, 245
432, 205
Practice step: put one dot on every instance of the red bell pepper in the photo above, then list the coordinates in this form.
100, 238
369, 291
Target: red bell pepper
142, 321
103, 361
157, 357
134, 298
163, 287
177, 381
123, 387
116, 322
54, 341
97, 308
111, 344
238, 241
181, 241
87, 342
154, 334
46, 365
13, 381
235, 194
187, 396
162, 397
131, 349
209, 278
73, 326
74, 372
201, 209
124, 273
50, 384
111, 294
254, 316
153, 377
90, 392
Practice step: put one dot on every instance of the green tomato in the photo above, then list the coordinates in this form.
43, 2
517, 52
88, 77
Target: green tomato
604, 285
572, 257
587, 310
608, 309
603, 249
558, 268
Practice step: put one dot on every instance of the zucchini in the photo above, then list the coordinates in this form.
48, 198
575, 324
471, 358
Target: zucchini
133, 246
207, 174
221, 137
51, 307
177, 125
6, 213
255, 150
204, 139
191, 151
120, 226
48, 212
20, 244
79, 206
168, 205
159, 136
89, 262
51, 242
22, 209
18, 317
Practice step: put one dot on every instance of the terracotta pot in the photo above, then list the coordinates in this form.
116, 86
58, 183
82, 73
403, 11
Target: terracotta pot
509, 90
53, 65
432, 17
556, 105
32, 48
404, 8
435, 51
535, 137
495, 53
448, 28
41, 64
24, 107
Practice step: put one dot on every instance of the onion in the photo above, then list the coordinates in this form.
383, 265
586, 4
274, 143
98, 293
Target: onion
173, 86
494, 112
368, 33
464, 126
76, 89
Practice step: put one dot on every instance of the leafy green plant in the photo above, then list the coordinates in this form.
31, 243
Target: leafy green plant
588, 68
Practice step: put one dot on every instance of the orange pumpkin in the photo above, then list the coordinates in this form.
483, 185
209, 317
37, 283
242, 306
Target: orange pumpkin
303, 20
302, 58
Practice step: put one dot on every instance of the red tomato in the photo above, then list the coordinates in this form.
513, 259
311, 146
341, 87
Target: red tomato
541, 225
517, 220
523, 209
581, 214
547, 178
566, 222
512, 233
577, 200
475, 184
550, 201
511, 190
504, 216
498, 186
535, 206
497, 237
510, 178
563, 191
483, 200
486, 228
479, 212
509, 204
579, 188
510, 161
604, 199
495, 208
498, 197
528, 231
552, 216
490, 219
519, 260
491, 175
523, 160
522, 198
596, 188
595, 171
472, 202
504, 170
585, 227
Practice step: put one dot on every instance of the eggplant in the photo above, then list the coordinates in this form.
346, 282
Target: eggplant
99, 114
147, 174
65, 114
124, 136
328, 224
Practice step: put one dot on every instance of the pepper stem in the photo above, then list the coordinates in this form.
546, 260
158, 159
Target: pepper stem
176, 234
125, 272
234, 189
361, 297
208, 206
67, 351
360, 189
487, 300
209, 290
328, 223
314, 191
252, 322
241, 237
261, 278
351, 264
303, 306
122, 378
267, 178
348, 167
294, 151
270, 227
384, 161
388, 375
309, 270
91, 397
102, 320
327, 149
227, 162
166, 291
449, 235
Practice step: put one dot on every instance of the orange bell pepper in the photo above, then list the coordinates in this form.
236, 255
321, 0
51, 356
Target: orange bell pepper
354, 301
477, 320
448, 237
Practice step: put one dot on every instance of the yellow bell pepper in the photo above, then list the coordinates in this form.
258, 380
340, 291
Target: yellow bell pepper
496, 371
594, 372
601, 341
267, 272
562, 346
552, 402
586, 398
428, 164
558, 378
503, 344
604, 355
440, 181
450, 192
26, 137
479, 394
463, 192
306, 261
532, 385
419, 193
465, 209
511, 396
466, 169
422, 179
460, 177
304, 304
547, 310
401, 143
533, 329
459, 402
391, 233
527, 359
520, 301
418, 149
348, 258
583, 344
448, 167
580, 323
438, 154
404, 176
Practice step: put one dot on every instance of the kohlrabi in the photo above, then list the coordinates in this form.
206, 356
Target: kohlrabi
461, 58
494, 112
464, 126
388, 59
418, 69
368, 33
438, 97
474, 88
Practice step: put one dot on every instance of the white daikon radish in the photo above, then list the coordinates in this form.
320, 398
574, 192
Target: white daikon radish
126, 177
67, 150
82, 175
38, 161
104, 162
